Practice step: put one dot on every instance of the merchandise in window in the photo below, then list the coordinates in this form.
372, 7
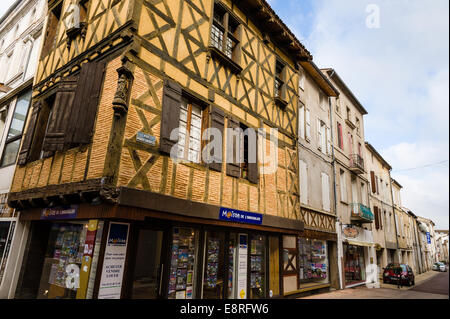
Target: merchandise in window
183, 264
257, 267
67, 245
313, 262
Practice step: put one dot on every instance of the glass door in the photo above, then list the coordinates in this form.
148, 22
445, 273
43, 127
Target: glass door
258, 267
148, 269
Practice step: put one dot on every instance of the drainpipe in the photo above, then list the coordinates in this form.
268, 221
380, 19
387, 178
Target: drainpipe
393, 211
338, 224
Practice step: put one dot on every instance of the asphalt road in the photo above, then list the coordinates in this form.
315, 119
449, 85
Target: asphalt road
436, 285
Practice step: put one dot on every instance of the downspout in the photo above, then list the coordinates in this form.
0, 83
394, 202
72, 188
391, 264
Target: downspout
393, 211
333, 161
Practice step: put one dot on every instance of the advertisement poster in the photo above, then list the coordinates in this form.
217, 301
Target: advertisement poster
242, 267
114, 261
87, 258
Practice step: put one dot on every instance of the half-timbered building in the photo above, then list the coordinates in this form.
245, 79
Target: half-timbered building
124, 205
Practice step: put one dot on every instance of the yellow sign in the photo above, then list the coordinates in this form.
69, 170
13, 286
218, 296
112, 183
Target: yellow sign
87, 258
242, 294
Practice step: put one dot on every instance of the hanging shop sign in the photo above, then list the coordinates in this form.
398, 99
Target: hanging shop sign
114, 261
63, 212
233, 215
428, 238
350, 232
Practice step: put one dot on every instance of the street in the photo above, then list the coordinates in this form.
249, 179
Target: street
434, 287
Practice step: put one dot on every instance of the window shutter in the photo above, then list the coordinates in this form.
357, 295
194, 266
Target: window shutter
319, 133
325, 192
377, 225
376, 183
284, 86
303, 183
381, 218
234, 167
372, 180
253, 168
308, 124
86, 102
60, 117
302, 122
329, 150
28, 138
217, 122
341, 139
170, 121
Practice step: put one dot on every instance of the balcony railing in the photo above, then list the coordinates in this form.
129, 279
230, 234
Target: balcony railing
357, 163
361, 213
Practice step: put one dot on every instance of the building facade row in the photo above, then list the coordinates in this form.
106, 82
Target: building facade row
121, 184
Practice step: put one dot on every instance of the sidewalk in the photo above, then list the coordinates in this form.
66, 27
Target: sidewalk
418, 280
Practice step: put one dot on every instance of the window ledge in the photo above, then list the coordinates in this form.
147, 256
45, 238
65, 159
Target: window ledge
233, 66
280, 102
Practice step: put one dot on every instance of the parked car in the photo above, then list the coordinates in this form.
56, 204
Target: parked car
392, 271
439, 267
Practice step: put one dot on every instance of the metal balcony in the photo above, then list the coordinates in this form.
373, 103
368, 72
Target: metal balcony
356, 164
361, 213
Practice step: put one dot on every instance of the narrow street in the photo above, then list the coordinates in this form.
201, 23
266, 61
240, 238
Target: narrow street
435, 286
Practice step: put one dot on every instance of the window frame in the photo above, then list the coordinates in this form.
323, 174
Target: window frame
18, 136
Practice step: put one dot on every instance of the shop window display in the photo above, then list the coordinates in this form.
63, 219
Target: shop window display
354, 264
183, 264
66, 247
214, 262
257, 267
313, 262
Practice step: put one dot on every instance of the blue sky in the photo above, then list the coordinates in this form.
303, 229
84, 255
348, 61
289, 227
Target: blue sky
399, 72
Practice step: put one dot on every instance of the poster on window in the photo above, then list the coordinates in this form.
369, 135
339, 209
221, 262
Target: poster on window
242, 267
114, 261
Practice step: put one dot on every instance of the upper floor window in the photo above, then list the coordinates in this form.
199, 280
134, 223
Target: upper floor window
348, 114
190, 134
280, 83
225, 33
52, 26
15, 131
340, 136
358, 126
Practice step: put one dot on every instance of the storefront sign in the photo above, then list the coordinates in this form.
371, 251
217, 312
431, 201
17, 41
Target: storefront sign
114, 261
428, 238
349, 231
233, 215
63, 212
242, 264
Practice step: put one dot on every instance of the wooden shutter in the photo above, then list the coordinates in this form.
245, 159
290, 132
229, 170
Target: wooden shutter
377, 225
85, 107
253, 168
372, 180
341, 139
319, 133
303, 182
329, 150
376, 183
29, 133
171, 102
308, 124
217, 122
302, 122
61, 117
325, 192
381, 218
233, 167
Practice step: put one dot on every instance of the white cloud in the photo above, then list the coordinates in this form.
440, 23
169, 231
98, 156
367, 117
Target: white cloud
400, 73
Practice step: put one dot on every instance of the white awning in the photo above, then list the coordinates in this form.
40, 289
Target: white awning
360, 243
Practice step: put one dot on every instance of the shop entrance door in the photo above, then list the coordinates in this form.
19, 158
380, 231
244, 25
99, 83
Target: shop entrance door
149, 268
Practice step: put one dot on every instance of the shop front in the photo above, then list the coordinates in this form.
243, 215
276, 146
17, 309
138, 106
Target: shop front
111, 252
358, 253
